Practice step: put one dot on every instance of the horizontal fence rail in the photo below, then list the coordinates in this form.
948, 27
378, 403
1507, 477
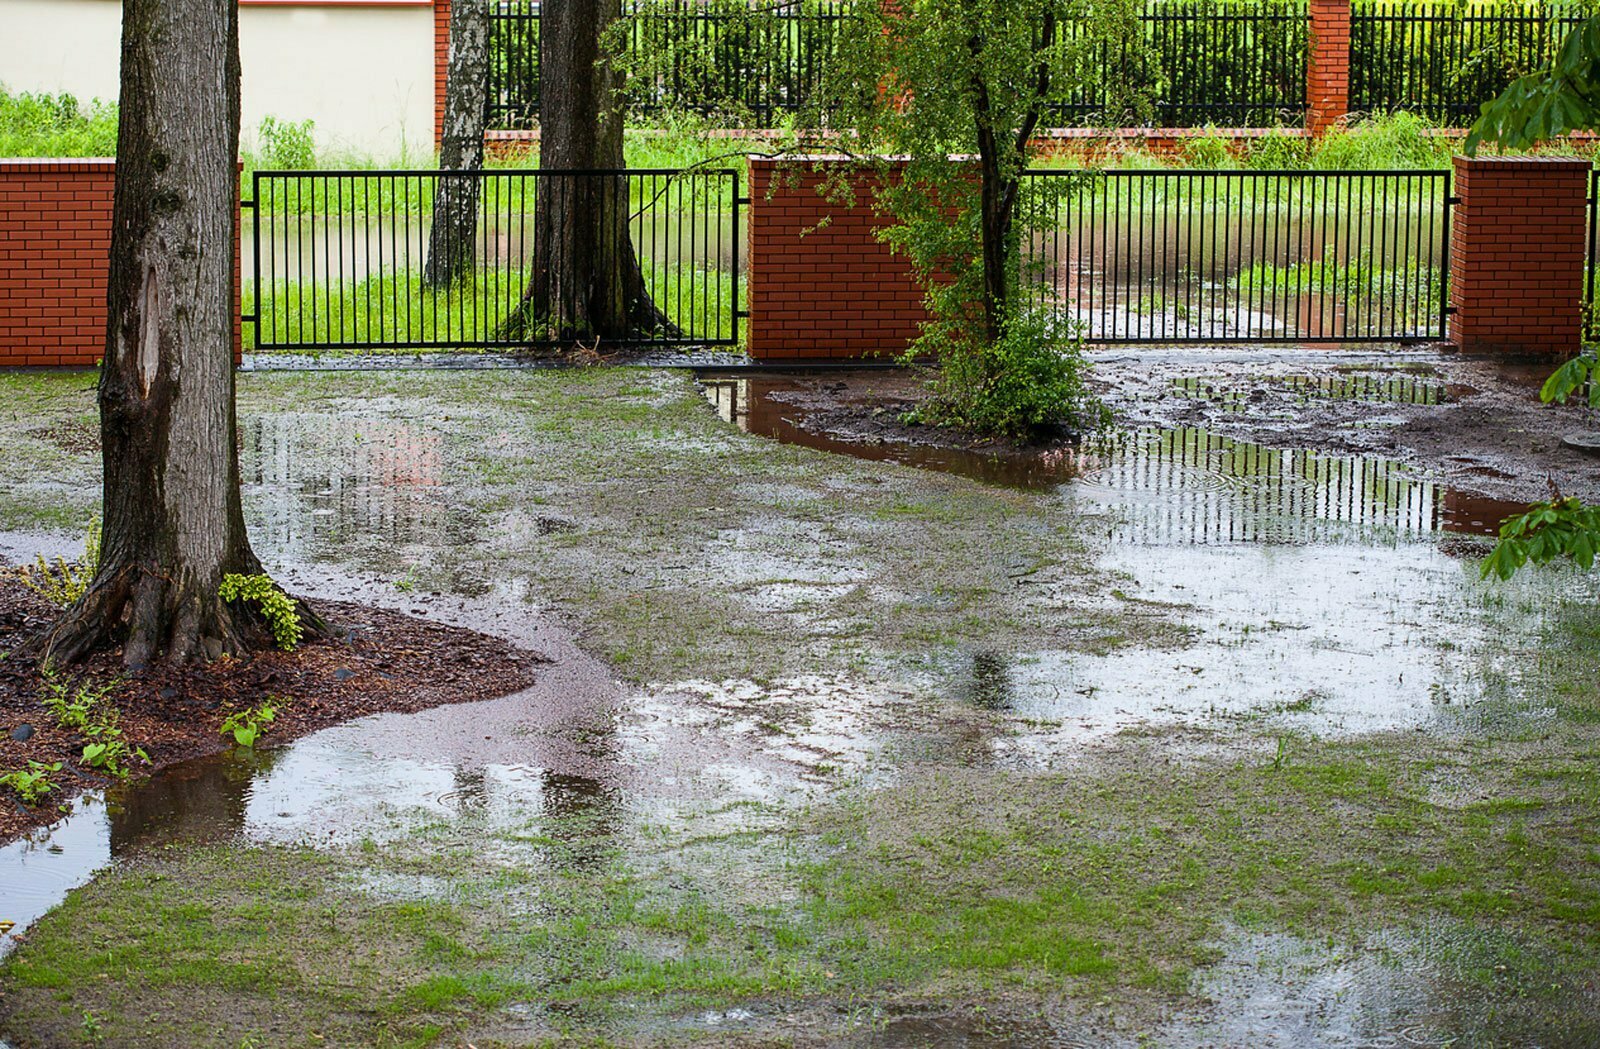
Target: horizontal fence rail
357, 260
1239, 256
1443, 61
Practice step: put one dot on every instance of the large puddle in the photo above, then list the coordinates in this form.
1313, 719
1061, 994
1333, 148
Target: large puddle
1316, 588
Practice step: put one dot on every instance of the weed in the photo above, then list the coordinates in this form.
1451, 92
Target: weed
33, 783
247, 726
285, 144
62, 583
83, 709
276, 607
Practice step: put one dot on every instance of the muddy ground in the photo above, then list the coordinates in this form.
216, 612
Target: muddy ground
373, 660
1472, 424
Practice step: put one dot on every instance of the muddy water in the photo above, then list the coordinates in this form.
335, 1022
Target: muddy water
1315, 585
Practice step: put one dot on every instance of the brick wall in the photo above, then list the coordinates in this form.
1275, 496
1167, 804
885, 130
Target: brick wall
1517, 254
55, 239
441, 65
55, 247
821, 285
1327, 65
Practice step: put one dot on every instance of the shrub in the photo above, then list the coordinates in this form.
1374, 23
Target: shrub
286, 145
62, 583
276, 607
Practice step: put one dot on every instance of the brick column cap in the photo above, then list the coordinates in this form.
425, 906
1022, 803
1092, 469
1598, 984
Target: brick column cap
57, 165
1547, 163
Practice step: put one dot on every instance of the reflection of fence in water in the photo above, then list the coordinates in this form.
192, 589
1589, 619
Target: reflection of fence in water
1216, 490
336, 480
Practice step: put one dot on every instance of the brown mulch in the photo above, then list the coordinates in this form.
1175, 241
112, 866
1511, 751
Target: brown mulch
375, 661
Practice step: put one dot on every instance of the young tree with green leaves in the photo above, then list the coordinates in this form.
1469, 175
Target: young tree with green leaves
956, 91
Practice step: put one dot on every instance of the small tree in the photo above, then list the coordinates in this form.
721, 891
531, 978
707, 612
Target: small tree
955, 91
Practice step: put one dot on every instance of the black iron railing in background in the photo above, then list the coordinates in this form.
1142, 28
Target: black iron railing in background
751, 62
1233, 65
340, 259
1239, 256
1444, 60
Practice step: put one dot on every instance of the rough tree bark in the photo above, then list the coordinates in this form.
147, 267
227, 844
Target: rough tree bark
466, 95
586, 282
173, 523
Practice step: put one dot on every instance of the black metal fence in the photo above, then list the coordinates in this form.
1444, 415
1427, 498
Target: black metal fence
1237, 64
753, 63
340, 260
1443, 61
1239, 256
1230, 64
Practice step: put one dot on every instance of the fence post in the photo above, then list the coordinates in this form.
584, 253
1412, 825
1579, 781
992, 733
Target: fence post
1517, 254
1327, 65
441, 66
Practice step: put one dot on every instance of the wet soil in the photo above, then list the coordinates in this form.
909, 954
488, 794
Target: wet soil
374, 661
1477, 426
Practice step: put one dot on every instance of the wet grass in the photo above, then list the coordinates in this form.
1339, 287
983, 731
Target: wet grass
1107, 890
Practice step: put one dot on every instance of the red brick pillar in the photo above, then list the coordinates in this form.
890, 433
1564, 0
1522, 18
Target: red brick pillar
441, 65
821, 284
1327, 65
1517, 254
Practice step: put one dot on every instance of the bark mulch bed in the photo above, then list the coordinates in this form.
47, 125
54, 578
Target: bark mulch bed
375, 661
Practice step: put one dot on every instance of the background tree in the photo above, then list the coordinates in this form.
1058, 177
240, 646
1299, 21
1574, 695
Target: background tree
173, 523
586, 281
936, 82
451, 241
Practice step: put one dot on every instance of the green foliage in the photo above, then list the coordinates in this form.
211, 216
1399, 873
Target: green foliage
84, 709
45, 125
1561, 98
1557, 528
33, 783
247, 726
285, 145
1025, 382
61, 582
276, 607
1389, 142
972, 78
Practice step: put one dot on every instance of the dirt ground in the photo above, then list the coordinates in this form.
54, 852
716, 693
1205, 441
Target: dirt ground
376, 661
1480, 426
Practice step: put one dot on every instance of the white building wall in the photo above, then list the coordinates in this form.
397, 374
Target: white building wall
362, 71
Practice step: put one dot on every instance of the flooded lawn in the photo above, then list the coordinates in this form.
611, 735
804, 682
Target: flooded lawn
1182, 737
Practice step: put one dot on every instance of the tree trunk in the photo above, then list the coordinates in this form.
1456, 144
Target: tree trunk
451, 242
173, 523
586, 282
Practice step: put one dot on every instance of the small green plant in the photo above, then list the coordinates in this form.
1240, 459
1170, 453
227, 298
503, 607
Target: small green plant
61, 582
33, 783
247, 726
286, 144
276, 607
84, 709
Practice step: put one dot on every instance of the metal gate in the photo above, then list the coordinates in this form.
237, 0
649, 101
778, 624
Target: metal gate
340, 260
1240, 256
